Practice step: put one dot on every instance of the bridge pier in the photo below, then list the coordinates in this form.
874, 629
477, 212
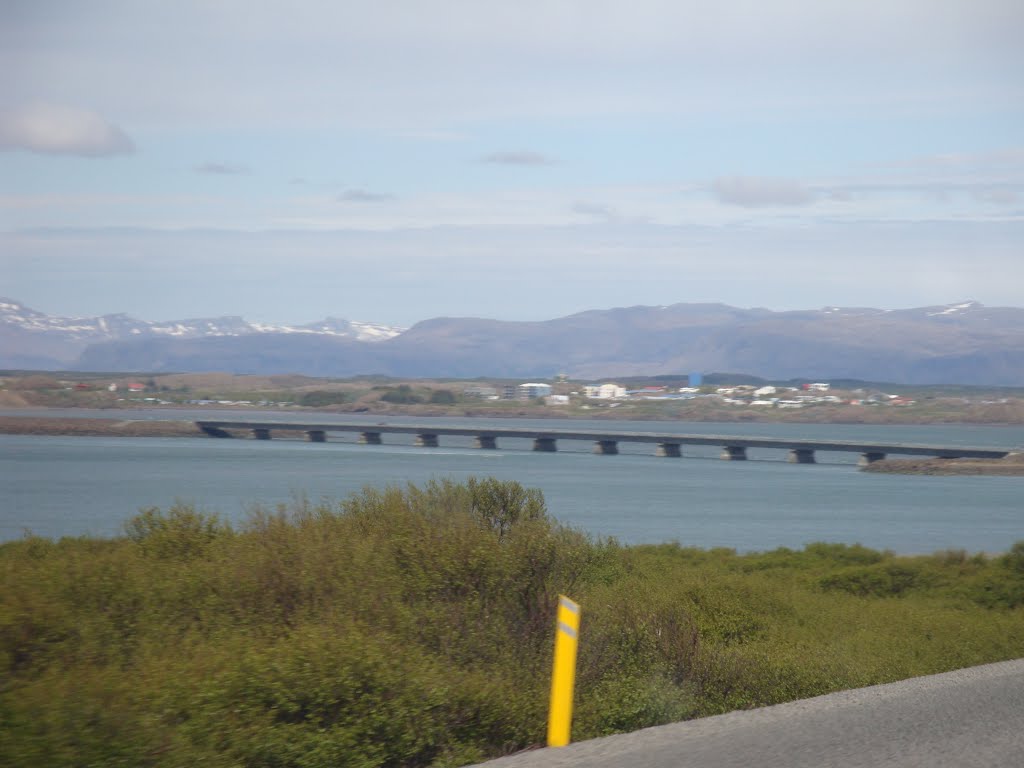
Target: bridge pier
606, 447
671, 450
426, 440
370, 438
261, 434
734, 453
870, 457
801, 456
487, 441
545, 444
316, 436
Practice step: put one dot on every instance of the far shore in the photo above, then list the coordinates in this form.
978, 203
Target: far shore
1010, 466
87, 427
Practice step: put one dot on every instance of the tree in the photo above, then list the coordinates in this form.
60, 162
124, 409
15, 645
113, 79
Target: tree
401, 395
442, 397
320, 397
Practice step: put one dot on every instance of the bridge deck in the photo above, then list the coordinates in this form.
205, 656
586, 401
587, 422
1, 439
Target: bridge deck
740, 441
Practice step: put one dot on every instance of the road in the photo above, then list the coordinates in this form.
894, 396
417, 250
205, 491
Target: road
964, 719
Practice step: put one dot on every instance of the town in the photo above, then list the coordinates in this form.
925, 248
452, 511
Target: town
611, 394
693, 397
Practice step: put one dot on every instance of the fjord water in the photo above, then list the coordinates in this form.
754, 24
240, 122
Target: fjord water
71, 486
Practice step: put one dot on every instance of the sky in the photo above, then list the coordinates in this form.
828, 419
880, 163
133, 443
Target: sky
395, 161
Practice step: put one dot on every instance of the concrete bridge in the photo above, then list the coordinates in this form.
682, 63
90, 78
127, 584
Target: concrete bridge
734, 447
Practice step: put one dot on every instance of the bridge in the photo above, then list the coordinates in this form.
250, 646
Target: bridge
734, 448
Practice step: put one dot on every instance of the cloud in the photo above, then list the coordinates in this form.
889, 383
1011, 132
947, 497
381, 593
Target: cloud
595, 210
53, 129
221, 169
997, 196
363, 196
443, 136
518, 158
755, 192
1009, 157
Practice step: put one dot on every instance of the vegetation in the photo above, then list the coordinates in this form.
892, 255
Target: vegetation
442, 397
413, 627
402, 395
320, 398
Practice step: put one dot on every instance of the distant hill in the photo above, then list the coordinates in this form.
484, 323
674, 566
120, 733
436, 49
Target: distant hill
31, 339
964, 343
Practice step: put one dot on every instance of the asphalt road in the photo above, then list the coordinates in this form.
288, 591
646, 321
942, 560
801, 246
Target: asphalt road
971, 717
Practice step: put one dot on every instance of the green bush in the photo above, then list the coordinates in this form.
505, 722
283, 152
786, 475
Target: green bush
402, 395
442, 397
413, 627
880, 580
320, 398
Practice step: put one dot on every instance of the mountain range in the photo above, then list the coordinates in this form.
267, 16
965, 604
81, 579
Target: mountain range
962, 343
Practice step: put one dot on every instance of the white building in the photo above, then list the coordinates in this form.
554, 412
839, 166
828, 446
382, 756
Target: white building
532, 390
605, 392
612, 392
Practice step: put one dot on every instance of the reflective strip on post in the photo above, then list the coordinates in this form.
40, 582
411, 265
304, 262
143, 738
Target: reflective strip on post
563, 676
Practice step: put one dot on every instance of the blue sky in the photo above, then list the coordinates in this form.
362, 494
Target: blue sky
394, 161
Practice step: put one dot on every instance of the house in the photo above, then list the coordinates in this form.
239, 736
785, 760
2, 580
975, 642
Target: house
604, 392
531, 390
611, 392
482, 391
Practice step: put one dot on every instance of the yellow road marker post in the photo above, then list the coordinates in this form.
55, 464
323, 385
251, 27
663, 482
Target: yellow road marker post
563, 675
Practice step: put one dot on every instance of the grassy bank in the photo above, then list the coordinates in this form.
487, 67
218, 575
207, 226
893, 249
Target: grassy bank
413, 627
1008, 466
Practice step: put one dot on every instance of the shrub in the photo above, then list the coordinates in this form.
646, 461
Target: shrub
887, 579
320, 398
442, 397
401, 395
181, 533
413, 626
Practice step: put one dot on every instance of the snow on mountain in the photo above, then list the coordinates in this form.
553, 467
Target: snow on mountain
953, 309
16, 316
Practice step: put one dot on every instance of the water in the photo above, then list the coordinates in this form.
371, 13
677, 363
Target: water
70, 486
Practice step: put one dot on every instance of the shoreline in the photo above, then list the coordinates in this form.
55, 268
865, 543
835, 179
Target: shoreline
1010, 466
56, 426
